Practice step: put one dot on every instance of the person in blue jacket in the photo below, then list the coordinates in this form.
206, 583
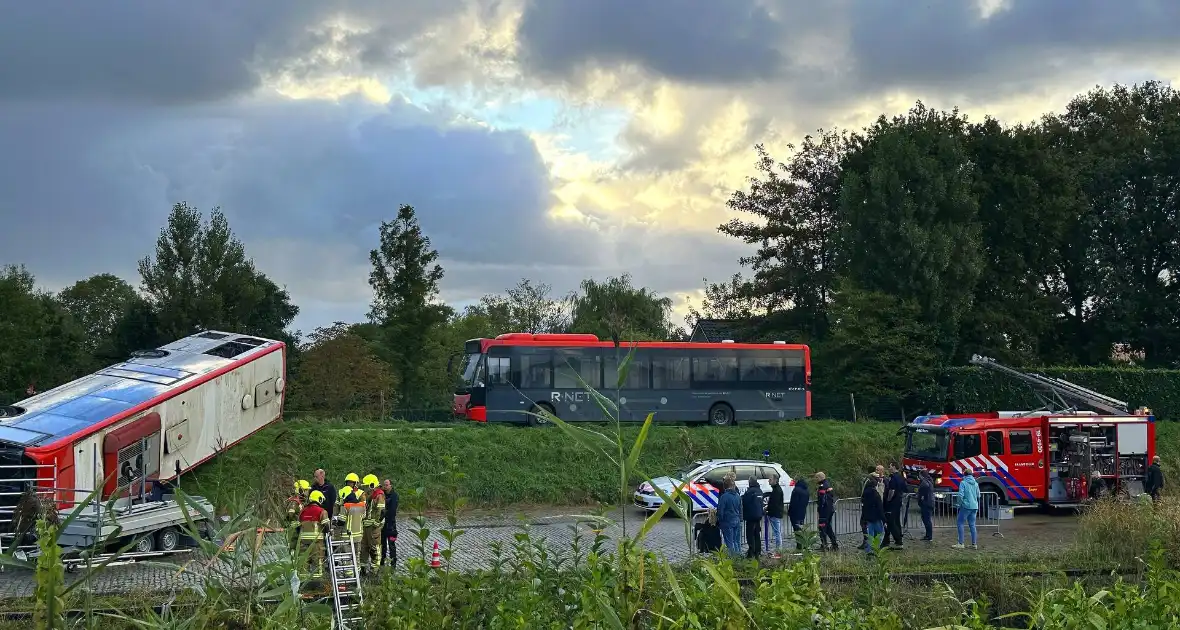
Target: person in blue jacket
797, 511
729, 516
968, 508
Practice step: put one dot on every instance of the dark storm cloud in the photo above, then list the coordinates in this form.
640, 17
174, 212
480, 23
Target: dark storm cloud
85, 190
713, 41
899, 43
184, 51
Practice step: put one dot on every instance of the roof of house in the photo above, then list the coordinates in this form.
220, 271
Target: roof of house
87, 401
716, 330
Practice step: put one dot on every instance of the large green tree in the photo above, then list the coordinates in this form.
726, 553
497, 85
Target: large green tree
526, 307
405, 279
339, 371
201, 278
616, 309
41, 345
911, 227
99, 304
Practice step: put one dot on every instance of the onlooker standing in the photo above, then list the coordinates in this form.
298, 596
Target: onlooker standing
729, 516
895, 490
872, 511
798, 510
322, 484
752, 511
926, 503
825, 508
1154, 482
968, 508
774, 510
389, 529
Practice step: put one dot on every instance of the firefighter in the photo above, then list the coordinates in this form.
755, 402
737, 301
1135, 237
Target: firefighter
352, 500
295, 504
372, 523
351, 481
313, 524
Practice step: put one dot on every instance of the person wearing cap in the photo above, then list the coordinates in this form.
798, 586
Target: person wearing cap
1154, 482
968, 508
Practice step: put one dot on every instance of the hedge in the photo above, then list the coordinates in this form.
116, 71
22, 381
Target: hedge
977, 389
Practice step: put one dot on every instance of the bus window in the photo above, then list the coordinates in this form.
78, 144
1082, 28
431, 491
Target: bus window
638, 370
995, 442
499, 371
536, 370
715, 369
669, 372
761, 367
793, 371
570, 364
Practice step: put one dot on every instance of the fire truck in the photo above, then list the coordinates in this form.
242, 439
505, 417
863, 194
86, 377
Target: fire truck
1057, 455
133, 428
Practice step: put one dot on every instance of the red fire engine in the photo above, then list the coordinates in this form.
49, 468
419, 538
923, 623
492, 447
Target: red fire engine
1057, 455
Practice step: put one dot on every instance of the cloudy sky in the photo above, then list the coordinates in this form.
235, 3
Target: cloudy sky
554, 139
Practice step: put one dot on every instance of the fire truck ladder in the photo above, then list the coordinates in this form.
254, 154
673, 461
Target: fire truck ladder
346, 581
1057, 394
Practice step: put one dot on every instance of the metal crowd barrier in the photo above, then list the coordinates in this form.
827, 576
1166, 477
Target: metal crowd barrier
945, 514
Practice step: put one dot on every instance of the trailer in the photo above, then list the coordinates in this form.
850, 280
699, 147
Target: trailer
126, 433
1058, 455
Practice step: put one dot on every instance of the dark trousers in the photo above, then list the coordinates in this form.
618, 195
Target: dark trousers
754, 538
388, 550
892, 525
796, 528
927, 522
827, 533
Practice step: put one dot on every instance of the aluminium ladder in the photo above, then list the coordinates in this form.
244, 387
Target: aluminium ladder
345, 579
1055, 393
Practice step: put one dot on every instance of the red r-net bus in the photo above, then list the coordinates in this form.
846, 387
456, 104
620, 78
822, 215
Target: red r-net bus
720, 383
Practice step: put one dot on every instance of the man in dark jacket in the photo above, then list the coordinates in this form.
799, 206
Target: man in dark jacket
729, 516
1154, 482
872, 512
800, 496
926, 503
752, 511
895, 490
321, 483
774, 512
389, 528
825, 509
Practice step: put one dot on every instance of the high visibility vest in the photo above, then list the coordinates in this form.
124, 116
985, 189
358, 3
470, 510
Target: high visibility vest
354, 512
375, 509
313, 520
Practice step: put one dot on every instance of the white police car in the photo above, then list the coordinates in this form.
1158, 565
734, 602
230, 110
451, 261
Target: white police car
705, 479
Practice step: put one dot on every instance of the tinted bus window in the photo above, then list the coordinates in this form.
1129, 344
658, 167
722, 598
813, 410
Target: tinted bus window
715, 369
536, 369
668, 372
499, 371
571, 363
638, 370
762, 367
793, 370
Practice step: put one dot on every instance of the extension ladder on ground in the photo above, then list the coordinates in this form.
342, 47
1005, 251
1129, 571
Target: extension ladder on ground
345, 579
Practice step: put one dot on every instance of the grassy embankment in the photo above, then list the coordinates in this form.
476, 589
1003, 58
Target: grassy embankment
507, 465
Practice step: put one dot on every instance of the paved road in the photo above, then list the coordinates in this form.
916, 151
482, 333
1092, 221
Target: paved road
557, 529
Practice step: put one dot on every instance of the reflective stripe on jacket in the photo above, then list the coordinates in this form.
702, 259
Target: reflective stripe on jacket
313, 521
375, 509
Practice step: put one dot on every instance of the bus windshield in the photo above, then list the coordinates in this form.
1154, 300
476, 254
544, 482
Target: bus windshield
470, 363
926, 443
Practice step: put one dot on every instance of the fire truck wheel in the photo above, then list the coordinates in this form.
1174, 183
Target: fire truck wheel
167, 539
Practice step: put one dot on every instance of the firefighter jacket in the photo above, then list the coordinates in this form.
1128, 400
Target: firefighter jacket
354, 512
313, 522
294, 509
375, 509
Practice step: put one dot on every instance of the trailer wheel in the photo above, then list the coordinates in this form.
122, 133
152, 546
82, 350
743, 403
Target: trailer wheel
167, 539
145, 544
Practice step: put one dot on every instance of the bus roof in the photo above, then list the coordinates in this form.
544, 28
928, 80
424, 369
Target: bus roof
146, 378
592, 341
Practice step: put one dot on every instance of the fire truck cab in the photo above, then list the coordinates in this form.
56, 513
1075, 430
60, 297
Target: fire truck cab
1057, 455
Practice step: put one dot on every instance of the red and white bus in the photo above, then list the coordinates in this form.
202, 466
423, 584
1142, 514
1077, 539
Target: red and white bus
720, 383
159, 414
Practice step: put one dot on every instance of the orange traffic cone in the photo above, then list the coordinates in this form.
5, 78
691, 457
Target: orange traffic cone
435, 558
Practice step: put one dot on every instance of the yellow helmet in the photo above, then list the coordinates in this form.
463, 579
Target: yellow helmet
371, 481
344, 492
302, 485
353, 478
316, 497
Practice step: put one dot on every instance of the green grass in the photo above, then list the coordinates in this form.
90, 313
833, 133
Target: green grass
508, 465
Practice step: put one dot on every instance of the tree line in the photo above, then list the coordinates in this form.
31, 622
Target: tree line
895, 251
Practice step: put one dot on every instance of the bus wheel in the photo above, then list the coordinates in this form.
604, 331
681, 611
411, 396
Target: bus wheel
537, 420
721, 415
